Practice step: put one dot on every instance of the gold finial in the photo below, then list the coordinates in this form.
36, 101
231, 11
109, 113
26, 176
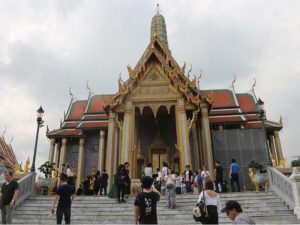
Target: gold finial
234, 79
254, 84
70, 92
88, 87
4, 131
190, 70
26, 167
11, 140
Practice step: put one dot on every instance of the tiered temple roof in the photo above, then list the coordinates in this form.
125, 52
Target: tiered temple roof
227, 107
7, 155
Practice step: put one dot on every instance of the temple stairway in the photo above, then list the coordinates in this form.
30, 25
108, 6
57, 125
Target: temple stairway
263, 207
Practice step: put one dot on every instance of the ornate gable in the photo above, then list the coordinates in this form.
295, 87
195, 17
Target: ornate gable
157, 75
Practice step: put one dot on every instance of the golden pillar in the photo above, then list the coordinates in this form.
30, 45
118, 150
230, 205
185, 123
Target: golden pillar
80, 162
57, 154
128, 136
110, 148
52, 149
63, 153
182, 135
273, 150
101, 150
195, 147
207, 138
279, 149
116, 147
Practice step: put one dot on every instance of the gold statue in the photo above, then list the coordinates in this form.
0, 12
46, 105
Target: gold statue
27, 165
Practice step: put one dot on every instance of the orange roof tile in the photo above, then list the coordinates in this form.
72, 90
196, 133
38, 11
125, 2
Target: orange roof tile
247, 102
77, 110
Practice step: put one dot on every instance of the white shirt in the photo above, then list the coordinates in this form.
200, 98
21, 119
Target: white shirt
205, 174
159, 175
170, 179
178, 181
148, 171
211, 200
164, 171
69, 172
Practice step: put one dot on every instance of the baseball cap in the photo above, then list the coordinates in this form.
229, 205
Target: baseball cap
147, 181
232, 204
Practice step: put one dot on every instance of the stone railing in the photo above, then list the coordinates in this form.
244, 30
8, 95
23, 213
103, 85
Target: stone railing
26, 187
287, 188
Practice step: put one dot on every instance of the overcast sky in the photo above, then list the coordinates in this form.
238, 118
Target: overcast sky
46, 47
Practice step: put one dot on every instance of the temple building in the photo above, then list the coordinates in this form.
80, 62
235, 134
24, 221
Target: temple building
7, 156
160, 114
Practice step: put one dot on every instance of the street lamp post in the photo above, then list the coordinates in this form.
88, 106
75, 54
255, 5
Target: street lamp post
262, 117
40, 113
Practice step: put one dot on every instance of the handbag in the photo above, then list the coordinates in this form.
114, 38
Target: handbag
200, 213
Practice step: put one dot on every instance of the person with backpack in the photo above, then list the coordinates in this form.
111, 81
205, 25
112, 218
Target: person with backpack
212, 203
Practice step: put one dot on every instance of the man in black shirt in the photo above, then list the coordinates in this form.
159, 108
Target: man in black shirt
104, 182
219, 176
8, 196
65, 194
145, 203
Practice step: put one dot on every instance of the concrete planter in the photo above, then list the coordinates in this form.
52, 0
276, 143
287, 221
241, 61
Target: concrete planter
45, 184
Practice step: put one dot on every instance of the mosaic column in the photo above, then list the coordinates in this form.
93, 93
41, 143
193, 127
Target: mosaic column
128, 132
57, 154
273, 150
279, 149
207, 138
183, 136
63, 153
110, 148
51, 151
80, 165
101, 150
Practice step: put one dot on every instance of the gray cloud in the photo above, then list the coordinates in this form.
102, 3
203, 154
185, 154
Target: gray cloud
47, 47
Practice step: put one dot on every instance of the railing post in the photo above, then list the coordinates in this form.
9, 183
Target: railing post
295, 179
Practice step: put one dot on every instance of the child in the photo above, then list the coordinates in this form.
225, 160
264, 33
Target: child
195, 182
178, 183
183, 189
145, 203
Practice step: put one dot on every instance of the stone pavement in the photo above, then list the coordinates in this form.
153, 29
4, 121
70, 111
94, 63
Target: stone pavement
263, 207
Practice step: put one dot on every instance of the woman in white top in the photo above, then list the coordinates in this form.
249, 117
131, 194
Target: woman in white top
148, 170
205, 175
70, 175
212, 201
170, 189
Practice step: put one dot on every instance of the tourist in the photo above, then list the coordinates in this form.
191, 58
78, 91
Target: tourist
148, 170
85, 184
8, 196
178, 183
92, 184
234, 211
65, 195
205, 175
195, 183
234, 176
200, 184
164, 172
183, 188
104, 182
63, 169
188, 178
79, 190
212, 201
219, 177
120, 182
157, 182
145, 203
170, 189
69, 174
127, 180
97, 183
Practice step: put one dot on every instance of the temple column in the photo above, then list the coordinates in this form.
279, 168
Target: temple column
128, 135
182, 135
51, 151
101, 151
57, 154
110, 148
80, 165
280, 157
116, 147
207, 138
63, 153
273, 150
195, 148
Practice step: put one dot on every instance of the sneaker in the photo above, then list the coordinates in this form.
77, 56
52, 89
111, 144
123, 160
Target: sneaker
173, 206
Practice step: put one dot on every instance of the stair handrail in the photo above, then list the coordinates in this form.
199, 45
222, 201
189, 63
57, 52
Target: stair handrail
26, 187
287, 188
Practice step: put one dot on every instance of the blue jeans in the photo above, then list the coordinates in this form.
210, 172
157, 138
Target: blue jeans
188, 186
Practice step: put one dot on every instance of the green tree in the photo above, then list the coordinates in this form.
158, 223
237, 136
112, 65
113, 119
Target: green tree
47, 168
295, 163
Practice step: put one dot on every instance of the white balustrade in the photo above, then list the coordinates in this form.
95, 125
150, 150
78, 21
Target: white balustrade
287, 188
26, 187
